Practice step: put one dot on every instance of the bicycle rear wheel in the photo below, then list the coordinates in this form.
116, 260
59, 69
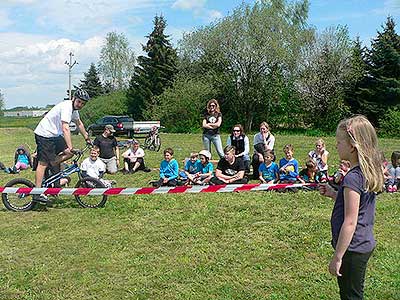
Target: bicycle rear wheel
157, 143
90, 201
18, 202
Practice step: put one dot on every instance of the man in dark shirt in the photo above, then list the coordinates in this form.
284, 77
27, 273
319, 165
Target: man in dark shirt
230, 169
109, 151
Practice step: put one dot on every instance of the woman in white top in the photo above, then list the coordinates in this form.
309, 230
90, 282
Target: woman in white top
320, 156
263, 141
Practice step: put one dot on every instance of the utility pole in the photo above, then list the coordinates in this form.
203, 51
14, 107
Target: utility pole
70, 64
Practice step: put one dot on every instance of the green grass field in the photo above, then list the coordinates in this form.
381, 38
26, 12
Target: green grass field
253, 245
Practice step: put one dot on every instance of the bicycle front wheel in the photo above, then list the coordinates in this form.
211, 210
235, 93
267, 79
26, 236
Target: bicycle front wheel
18, 202
147, 142
157, 143
90, 201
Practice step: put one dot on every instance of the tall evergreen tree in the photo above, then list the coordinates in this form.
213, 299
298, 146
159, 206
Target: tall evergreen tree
154, 72
91, 83
381, 88
356, 76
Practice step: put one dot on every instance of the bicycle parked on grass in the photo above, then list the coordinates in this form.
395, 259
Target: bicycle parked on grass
25, 202
153, 140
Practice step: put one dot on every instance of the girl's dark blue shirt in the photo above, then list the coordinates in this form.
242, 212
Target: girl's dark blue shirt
363, 239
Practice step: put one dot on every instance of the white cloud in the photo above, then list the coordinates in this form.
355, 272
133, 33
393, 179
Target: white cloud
39, 66
198, 8
4, 20
189, 4
91, 15
390, 8
214, 15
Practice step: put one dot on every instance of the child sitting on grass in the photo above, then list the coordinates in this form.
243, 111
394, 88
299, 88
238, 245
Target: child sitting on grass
288, 166
394, 173
22, 161
191, 168
169, 170
310, 173
205, 168
134, 158
92, 166
344, 167
268, 171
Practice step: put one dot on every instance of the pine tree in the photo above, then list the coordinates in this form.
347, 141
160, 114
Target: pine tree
91, 83
154, 72
381, 88
356, 76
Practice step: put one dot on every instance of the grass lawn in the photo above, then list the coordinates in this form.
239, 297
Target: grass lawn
254, 245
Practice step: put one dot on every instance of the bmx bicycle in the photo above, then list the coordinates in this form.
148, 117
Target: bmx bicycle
25, 202
153, 140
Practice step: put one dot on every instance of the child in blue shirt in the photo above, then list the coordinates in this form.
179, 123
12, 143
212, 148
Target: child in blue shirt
288, 166
205, 168
268, 171
191, 168
169, 170
22, 160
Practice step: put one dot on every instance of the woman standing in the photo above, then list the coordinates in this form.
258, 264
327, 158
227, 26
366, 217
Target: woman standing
241, 143
211, 123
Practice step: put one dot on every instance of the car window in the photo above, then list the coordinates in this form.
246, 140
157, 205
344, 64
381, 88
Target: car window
108, 120
125, 119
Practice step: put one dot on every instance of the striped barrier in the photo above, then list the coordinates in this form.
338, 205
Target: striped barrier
226, 188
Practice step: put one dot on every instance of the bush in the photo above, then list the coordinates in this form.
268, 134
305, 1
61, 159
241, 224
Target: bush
389, 125
180, 107
110, 104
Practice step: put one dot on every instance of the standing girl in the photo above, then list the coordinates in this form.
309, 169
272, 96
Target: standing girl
211, 123
352, 219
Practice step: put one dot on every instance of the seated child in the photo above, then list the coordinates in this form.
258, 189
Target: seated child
344, 167
268, 171
320, 156
310, 173
393, 169
22, 160
92, 166
205, 168
288, 166
337, 178
230, 169
191, 168
169, 170
134, 158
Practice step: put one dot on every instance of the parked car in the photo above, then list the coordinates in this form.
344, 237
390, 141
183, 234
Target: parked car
123, 125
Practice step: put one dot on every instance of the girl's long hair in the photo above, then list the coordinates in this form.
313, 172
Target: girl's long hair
362, 135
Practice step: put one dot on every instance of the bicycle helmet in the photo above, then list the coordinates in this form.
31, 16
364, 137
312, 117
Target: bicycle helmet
206, 153
81, 94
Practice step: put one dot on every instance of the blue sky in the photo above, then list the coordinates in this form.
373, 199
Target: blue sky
36, 35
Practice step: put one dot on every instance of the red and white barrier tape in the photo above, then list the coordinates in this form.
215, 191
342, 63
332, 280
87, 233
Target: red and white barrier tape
151, 190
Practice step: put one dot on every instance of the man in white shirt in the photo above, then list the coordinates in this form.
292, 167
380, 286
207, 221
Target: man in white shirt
53, 137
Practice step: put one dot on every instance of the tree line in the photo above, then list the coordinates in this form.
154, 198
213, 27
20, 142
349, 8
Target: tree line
263, 62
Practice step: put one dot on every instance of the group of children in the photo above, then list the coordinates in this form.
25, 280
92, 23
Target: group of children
199, 169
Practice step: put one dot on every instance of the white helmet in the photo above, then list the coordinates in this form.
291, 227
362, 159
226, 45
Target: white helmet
206, 153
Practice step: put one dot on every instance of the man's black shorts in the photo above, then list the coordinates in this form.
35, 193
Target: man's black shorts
49, 148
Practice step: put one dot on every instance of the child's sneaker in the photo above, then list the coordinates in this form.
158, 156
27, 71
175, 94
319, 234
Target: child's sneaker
389, 189
394, 189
